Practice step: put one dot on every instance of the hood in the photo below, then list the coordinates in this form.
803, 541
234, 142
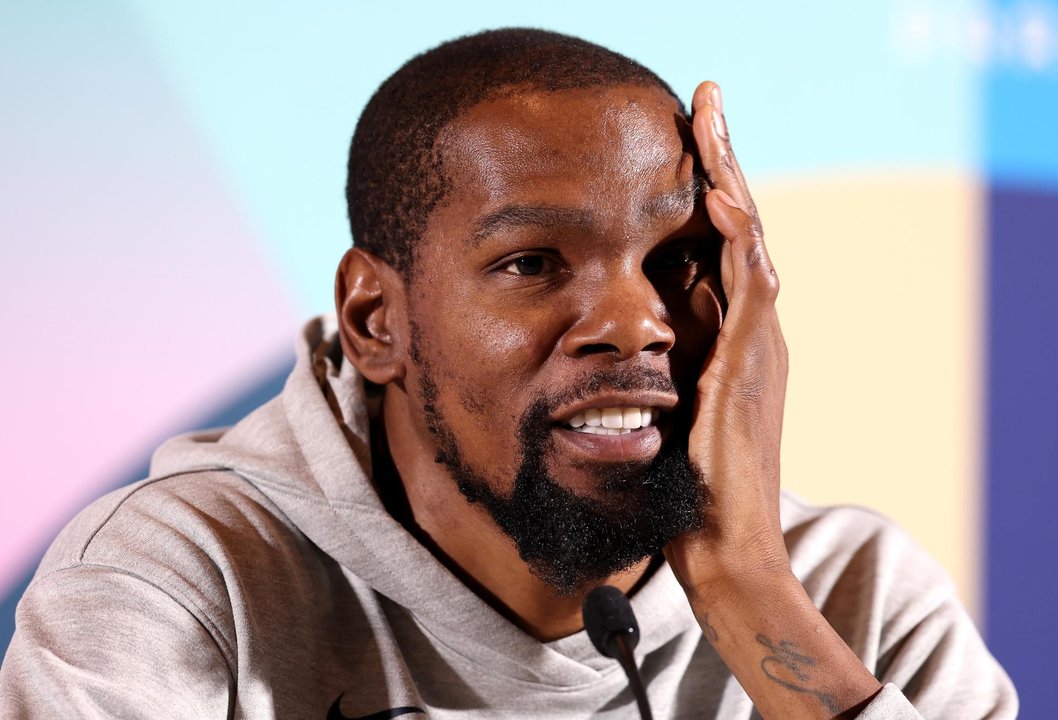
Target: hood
308, 450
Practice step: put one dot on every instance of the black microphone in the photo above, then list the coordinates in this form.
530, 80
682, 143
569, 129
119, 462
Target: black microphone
614, 632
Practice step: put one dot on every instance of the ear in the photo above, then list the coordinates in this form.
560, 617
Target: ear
369, 296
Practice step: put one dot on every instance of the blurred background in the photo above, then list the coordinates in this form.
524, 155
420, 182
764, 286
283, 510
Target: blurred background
171, 210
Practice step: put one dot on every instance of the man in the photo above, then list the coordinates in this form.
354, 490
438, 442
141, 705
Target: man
555, 364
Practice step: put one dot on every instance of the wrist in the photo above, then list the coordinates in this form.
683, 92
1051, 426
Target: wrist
783, 652
761, 585
711, 571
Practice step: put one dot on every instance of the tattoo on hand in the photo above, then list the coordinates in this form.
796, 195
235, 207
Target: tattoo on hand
789, 668
710, 631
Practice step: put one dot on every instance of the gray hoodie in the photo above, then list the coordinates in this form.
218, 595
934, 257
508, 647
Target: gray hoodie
256, 574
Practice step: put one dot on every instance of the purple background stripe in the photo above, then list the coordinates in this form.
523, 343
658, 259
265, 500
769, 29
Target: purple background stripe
1022, 490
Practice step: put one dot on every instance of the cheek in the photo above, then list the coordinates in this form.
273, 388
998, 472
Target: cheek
508, 339
506, 355
492, 359
503, 339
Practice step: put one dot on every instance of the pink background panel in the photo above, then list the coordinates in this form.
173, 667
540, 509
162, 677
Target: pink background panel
128, 237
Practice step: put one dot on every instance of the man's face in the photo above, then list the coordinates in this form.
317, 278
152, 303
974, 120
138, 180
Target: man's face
570, 274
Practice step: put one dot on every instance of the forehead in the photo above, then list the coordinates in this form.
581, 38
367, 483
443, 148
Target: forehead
570, 147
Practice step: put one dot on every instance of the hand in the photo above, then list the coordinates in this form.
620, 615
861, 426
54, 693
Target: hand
737, 419
735, 570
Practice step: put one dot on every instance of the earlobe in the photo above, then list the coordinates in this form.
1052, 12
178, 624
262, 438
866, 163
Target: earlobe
369, 296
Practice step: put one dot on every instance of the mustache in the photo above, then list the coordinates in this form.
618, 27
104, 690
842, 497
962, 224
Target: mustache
631, 379
634, 379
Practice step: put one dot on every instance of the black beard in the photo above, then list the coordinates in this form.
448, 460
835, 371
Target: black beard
570, 541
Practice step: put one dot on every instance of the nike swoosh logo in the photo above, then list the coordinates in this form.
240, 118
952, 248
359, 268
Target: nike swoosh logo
335, 713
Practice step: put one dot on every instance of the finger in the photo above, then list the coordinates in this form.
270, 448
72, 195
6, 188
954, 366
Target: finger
714, 146
746, 270
745, 265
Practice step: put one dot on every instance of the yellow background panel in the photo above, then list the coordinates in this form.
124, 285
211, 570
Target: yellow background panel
882, 308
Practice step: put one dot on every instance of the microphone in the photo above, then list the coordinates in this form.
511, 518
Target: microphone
614, 632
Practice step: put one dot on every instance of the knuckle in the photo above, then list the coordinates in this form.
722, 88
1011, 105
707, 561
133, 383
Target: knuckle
762, 274
770, 281
751, 232
727, 161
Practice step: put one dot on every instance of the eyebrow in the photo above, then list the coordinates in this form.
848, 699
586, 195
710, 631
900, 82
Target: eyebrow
674, 203
515, 216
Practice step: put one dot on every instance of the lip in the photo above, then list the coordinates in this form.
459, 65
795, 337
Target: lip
662, 401
640, 445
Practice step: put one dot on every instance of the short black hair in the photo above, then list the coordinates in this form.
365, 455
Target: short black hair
396, 178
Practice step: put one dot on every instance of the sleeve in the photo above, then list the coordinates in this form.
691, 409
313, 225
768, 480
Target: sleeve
97, 642
889, 704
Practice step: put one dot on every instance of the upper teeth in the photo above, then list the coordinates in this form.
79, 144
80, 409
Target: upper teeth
613, 420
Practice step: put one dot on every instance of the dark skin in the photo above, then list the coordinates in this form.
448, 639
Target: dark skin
572, 240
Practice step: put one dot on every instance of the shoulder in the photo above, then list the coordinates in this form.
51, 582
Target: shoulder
874, 584
200, 539
863, 570
897, 608
133, 527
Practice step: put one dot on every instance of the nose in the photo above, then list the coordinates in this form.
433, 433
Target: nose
622, 315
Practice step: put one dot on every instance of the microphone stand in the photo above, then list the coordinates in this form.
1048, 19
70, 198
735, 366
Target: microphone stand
628, 662
613, 630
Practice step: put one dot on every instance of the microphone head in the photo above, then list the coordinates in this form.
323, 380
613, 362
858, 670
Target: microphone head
607, 616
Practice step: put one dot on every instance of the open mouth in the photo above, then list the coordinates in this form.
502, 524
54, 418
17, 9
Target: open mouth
613, 420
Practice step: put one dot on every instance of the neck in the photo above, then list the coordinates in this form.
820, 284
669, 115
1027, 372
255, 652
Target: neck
420, 494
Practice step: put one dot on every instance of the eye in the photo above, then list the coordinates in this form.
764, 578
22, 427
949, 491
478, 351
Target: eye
531, 265
679, 257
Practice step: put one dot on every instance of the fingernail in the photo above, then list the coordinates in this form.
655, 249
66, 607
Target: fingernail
724, 198
719, 124
715, 98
